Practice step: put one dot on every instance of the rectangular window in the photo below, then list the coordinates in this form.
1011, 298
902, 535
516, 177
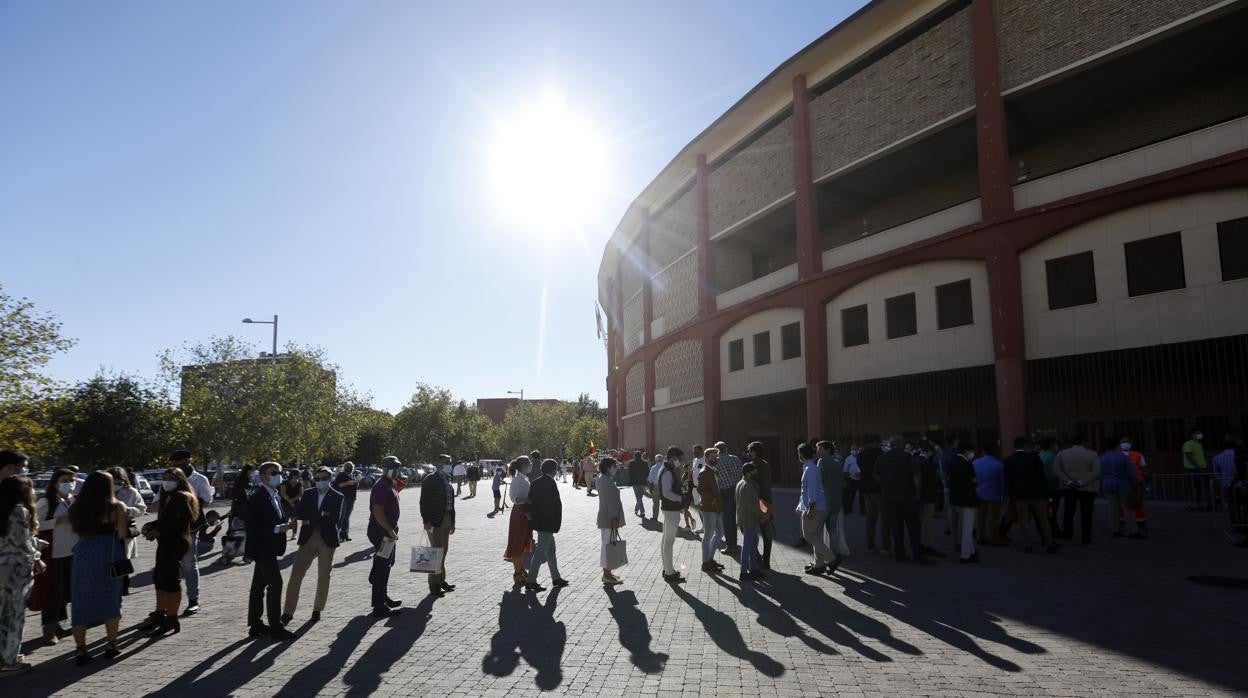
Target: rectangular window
900, 316
762, 348
1155, 264
791, 341
953, 305
1071, 280
854, 326
1233, 246
736, 355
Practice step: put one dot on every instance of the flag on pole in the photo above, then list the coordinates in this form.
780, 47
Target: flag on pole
592, 449
598, 317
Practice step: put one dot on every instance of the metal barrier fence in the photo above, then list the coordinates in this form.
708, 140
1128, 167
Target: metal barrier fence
1202, 492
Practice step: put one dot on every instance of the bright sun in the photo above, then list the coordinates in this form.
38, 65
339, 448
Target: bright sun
549, 170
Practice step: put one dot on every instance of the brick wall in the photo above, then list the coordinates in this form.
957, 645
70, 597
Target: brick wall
679, 368
674, 231
633, 318
1036, 37
914, 86
755, 176
676, 293
634, 389
633, 432
680, 426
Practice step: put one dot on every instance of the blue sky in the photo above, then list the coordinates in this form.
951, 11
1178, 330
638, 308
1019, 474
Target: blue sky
170, 168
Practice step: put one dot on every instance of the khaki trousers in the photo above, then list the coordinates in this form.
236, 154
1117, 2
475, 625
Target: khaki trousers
314, 549
440, 537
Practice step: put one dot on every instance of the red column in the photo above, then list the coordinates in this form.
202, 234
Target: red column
995, 191
613, 431
815, 355
706, 260
809, 259
648, 362
1005, 299
647, 283
710, 387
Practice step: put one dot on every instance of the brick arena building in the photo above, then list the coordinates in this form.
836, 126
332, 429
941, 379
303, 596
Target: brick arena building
985, 217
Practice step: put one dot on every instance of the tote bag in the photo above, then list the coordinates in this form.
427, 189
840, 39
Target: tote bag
617, 551
426, 559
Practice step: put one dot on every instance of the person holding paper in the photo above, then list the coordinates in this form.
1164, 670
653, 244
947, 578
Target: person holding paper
320, 510
383, 532
437, 510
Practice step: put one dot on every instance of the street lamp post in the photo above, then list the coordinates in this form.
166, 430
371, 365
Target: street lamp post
273, 322
519, 392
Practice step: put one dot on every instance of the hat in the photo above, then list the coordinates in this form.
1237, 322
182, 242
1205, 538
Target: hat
390, 462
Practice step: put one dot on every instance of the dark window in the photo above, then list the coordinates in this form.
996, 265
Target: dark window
762, 348
760, 265
900, 316
854, 326
1072, 280
953, 305
736, 355
1155, 264
791, 341
1233, 246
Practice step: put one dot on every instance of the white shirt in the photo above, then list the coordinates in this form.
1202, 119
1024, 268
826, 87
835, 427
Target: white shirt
520, 487
200, 486
63, 536
653, 477
276, 500
851, 468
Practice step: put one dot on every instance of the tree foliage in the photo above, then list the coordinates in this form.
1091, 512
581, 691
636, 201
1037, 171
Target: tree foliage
30, 340
109, 421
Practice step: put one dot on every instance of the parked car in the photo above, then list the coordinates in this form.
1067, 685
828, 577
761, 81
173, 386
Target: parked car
145, 489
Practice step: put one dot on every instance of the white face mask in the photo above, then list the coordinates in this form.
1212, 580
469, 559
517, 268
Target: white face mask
1198, 437
1125, 445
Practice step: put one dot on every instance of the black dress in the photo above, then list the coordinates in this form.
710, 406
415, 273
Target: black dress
173, 541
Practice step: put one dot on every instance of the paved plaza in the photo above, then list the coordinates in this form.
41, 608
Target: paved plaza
1118, 618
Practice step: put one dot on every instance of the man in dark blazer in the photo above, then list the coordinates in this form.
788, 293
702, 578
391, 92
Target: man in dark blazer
320, 510
546, 516
266, 541
437, 510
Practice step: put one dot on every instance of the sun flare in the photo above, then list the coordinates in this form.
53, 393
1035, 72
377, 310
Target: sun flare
549, 169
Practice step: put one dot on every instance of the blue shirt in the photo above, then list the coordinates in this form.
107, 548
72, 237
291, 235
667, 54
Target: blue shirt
991, 476
812, 489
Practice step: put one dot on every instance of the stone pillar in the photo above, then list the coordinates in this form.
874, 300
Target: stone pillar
648, 398
647, 282
996, 193
815, 356
809, 256
1005, 299
710, 388
706, 259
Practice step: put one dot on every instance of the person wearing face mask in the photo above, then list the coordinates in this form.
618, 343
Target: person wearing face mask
745, 499
179, 509
202, 489
1195, 467
1027, 489
672, 501
852, 477
712, 511
320, 510
437, 512
1141, 511
266, 541
348, 485
52, 512
964, 496
1078, 473
135, 507
383, 527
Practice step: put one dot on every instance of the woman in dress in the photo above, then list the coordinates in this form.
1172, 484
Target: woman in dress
125, 492
519, 535
19, 563
52, 511
100, 522
610, 515
172, 532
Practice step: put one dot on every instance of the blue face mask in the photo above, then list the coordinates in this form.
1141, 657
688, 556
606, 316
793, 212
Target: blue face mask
65, 487
275, 480
322, 485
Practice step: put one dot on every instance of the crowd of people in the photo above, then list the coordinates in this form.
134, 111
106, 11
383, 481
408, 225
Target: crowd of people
68, 551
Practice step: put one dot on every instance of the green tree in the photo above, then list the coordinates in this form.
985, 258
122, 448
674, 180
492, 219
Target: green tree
372, 436
583, 432
118, 420
27, 425
30, 340
433, 422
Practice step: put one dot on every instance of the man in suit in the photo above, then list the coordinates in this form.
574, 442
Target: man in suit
320, 510
437, 510
546, 516
266, 541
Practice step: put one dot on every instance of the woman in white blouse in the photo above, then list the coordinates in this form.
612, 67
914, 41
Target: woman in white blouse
519, 535
52, 511
126, 493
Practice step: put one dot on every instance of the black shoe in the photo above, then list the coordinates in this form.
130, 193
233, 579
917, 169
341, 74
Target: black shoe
756, 574
393, 603
924, 560
933, 552
258, 629
152, 622
446, 587
1053, 548
192, 607
111, 651
316, 616
1138, 535
903, 558
81, 656
559, 583
747, 577
836, 563
534, 586
968, 560
437, 593
1029, 549
816, 569
286, 618
674, 578
383, 612
281, 634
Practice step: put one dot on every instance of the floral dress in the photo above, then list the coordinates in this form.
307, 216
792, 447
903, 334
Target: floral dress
18, 552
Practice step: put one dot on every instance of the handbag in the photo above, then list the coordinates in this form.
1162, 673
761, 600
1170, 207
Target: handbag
120, 568
617, 551
764, 516
426, 559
